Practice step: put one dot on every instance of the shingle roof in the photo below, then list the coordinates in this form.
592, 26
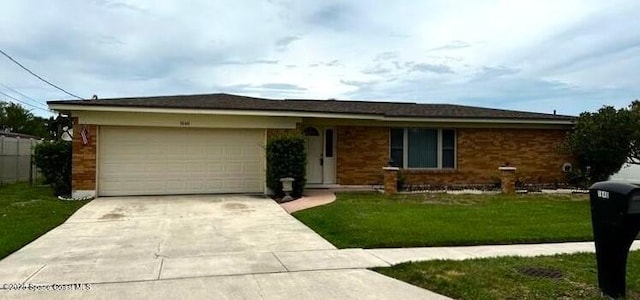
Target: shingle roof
390, 109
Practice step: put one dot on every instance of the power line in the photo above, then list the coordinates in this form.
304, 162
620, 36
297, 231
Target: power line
25, 103
38, 76
19, 93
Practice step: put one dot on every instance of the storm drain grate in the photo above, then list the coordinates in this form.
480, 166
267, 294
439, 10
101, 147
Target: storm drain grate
541, 272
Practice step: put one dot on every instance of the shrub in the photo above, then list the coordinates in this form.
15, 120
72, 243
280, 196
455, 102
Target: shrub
54, 161
579, 177
401, 182
602, 141
286, 157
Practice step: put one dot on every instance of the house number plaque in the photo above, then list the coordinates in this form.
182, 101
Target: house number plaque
185, 123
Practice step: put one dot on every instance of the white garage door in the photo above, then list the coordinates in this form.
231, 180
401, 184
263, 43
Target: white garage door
160, 161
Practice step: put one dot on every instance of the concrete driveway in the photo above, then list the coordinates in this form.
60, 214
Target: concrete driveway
235, 247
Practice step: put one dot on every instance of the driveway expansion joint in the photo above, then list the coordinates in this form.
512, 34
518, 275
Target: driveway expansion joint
380, 258
34, 274
260, 290
280, 261
160, 268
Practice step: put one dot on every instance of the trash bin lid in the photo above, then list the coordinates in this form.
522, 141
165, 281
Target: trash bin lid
618, 187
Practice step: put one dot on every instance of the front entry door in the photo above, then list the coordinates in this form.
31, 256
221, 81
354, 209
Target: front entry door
313, 139
320, 146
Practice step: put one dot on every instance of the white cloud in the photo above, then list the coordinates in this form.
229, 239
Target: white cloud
573, 55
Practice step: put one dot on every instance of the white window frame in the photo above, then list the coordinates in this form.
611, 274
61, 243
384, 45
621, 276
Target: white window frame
405, 149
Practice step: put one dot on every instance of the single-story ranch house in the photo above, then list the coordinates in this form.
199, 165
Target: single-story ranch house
215, 143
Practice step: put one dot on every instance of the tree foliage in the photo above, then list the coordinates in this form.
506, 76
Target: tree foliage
15, 118
286, 157
603, 141
634, 151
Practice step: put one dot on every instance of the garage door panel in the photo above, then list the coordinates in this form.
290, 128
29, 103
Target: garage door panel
149, 161
214, 167
253, 182
253, 165
198, 167
233, 167
213, 184
214, 152
133, 187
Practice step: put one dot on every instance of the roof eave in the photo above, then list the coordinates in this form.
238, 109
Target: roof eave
284, 113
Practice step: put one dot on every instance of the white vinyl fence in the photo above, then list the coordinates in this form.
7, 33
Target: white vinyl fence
16, 162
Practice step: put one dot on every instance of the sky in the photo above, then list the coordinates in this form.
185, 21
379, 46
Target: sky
564, 55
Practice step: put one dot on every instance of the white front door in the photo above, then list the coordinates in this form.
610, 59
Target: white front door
320, 146
313, 138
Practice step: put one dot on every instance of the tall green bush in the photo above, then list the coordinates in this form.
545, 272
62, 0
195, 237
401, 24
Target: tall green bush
286, 157
602, 141
54, 161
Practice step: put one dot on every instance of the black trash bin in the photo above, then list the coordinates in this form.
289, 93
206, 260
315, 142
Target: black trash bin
615, 217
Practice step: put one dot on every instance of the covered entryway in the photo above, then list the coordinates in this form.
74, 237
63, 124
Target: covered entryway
165, 160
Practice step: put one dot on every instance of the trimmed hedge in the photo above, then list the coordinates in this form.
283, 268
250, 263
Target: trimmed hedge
286, 157
54, 161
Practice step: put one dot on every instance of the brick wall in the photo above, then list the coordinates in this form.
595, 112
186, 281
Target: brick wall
361, 152
83, 169
534, 152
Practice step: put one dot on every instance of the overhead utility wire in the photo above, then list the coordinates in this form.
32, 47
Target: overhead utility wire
19, 93
14, 98
38, 76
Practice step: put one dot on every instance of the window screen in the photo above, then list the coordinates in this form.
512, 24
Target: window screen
423, 148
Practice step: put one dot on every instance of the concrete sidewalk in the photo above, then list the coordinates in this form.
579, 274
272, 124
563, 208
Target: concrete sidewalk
394, 256
247, 263
267, 275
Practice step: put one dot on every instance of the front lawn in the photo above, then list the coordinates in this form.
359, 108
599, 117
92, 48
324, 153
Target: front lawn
372, 220
570, 276
28, 212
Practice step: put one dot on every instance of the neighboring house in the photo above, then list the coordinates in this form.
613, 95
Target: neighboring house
215, 143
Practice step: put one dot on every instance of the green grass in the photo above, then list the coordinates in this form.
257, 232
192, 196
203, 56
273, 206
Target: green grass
27, 212
500, 278
372, 220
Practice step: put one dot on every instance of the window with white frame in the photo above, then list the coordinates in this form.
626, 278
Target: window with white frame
423, 148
